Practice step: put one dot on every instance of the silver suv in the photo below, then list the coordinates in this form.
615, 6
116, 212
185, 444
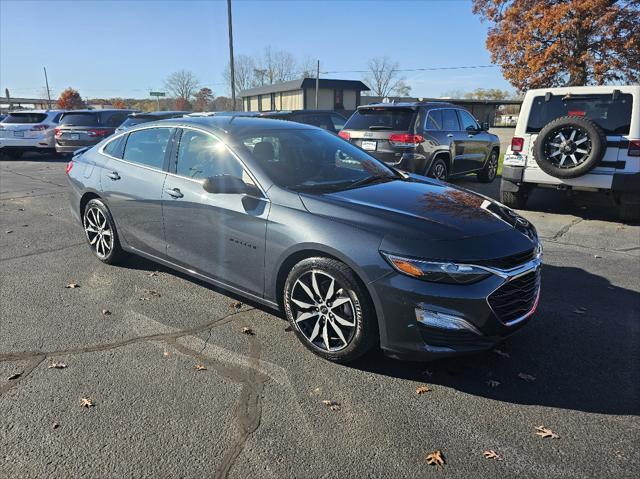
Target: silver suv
434, 139
577, 138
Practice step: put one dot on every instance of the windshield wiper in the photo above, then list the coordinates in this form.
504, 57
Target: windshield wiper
370, 180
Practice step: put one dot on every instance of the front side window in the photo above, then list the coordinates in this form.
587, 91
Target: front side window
468, 122
450, 120
313, 160
201, 156
147, 147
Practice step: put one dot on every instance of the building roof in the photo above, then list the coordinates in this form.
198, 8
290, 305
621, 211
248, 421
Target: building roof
305, 83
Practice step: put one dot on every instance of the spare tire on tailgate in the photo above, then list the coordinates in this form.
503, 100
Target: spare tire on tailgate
569, 147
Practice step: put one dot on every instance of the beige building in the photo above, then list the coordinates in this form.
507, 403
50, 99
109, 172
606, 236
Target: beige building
300, 94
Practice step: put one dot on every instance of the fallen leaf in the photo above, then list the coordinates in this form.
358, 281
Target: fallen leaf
20, 209
166, 354
55, 425
200, 367
236, 305
57, 366
14, 376
87, 402
72, 285
24, 226
502, 353
9, 231
491, 454
316, 391
106, 312
597, 256
526, 377
545, 432
422, 389
150, 294
288, 329
436, 458
333, 405
152, 273
493, 384
248, 331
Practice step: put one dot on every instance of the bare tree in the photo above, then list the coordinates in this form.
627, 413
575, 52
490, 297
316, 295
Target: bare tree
402, 89
243, 69
307, 68
383, 76
279, 66
182, 84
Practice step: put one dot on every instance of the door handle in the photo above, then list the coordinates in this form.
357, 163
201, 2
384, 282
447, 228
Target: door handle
449, 135
114, 175
174, 192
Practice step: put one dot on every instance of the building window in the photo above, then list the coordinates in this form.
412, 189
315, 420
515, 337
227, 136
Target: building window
338, 103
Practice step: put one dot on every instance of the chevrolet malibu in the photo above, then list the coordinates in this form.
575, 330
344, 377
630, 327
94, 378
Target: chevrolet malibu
355, 253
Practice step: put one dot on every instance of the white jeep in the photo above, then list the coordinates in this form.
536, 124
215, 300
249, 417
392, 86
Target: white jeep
577, 138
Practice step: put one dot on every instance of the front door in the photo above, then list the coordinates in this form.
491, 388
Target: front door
132, 182
475, 143
219, 235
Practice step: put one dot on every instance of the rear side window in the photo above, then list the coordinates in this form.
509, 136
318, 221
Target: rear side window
80, 119
201, 156
114, 119
613, 116
115, 147
434, 120
338, 122
25, 118
450, 120
131, 121
381, 119
147, 147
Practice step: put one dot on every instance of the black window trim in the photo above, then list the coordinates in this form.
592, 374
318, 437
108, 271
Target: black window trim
459, 112
127, 133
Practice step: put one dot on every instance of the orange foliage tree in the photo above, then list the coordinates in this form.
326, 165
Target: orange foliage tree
119, 104
70, 99
545, 43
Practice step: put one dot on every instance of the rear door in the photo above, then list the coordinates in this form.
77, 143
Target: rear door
219, 235
370, 129
132, 183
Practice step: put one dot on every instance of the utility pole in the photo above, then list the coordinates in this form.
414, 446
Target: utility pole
317, 82
46, 81
231, 71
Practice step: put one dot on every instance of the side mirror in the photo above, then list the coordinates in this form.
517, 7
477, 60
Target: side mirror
225, 184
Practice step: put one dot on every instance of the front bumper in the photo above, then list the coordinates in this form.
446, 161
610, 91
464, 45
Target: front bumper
401, 297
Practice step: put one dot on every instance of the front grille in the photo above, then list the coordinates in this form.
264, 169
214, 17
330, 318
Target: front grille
508, 262
515, 298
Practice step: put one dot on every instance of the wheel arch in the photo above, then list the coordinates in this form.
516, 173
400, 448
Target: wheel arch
442, 154
86, 197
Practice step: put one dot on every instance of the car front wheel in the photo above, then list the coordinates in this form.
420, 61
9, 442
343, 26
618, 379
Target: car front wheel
329, 310
488, 173
101, 233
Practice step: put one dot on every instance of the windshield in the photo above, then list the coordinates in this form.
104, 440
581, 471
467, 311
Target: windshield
381, 119
313, 160
136, 120
613, 116
79, 119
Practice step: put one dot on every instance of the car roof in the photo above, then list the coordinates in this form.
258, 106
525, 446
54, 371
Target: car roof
35, 111
157, 113
410, 104
110, 110
289, 112
236, 125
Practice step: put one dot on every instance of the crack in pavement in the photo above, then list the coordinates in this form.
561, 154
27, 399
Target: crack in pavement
43, 251
34, 178
565, 229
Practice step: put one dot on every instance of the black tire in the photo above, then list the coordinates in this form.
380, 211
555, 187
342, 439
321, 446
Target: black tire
629, 207
490, 169
439, 170
92, 219
15, 155
356, 308
514, 199
552, 147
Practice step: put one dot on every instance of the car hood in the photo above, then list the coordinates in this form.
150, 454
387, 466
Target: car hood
419, 209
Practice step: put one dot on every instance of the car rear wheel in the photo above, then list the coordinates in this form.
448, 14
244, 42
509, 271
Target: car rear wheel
514, 199
439, 170
101, 233
488, 173
329, 310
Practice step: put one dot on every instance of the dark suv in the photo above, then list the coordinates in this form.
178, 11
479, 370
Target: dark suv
80, 128
325, 119
434, 139
145, 117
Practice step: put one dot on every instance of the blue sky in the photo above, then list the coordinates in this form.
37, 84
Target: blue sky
124, 48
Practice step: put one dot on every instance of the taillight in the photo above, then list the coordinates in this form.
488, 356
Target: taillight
58, 132
405, 139
98, 132
40, 127
345, 135
69, 166
517, 144
634, 148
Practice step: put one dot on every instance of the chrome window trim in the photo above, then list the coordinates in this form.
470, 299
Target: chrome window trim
126, 132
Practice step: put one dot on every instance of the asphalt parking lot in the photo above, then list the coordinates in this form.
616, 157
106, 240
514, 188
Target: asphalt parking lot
131, 336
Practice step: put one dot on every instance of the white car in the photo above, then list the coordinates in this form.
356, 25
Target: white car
29, 130
577, 138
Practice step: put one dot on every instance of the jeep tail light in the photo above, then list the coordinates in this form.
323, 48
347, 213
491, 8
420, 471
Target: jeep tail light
58, 132
98, 132
345, 135
517, 144
405, 139
634, 148
40, 127
69, 166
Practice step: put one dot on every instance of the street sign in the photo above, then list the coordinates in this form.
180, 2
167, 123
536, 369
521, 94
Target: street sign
156, 93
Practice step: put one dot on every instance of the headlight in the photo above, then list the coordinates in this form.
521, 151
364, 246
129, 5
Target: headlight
437, 272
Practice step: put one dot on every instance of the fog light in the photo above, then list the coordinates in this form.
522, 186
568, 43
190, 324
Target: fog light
435, 319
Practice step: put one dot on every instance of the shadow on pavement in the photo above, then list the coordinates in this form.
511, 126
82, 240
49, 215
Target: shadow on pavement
582, 359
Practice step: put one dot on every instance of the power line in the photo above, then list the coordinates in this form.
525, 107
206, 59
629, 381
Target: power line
462, 67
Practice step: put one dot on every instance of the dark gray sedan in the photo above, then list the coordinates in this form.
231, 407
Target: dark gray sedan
356, 253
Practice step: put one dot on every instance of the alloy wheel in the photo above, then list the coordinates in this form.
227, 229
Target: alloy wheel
492, 167
439, 171
568, 147
98, 231
323, 310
